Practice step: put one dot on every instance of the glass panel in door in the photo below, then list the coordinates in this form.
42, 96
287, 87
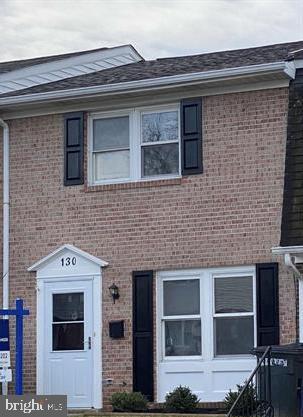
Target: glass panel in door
68, 321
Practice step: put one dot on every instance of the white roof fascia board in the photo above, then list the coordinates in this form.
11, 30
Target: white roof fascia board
36, 266
278, 69
136, 99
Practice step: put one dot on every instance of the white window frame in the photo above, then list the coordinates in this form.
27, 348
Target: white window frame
238, 275
167, 142
207, 306
135, 145
179, 317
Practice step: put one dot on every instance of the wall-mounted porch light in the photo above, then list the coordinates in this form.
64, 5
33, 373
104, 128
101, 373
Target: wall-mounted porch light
114, 292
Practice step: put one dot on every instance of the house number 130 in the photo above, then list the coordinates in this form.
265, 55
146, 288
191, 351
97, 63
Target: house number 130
68, 261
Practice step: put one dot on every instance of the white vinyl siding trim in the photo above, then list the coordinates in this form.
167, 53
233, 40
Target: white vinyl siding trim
134, 114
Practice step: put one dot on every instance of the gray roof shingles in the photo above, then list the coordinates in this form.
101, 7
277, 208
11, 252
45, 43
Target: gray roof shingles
169, 66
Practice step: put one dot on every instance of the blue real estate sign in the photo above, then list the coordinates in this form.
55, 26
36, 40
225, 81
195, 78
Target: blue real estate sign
5, 359
4, 335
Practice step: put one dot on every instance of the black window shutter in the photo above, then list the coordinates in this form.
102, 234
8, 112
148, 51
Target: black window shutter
73, 149
143, 364
267, 304
191, 136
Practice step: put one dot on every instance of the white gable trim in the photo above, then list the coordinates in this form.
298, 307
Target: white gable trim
38, 265
73, 66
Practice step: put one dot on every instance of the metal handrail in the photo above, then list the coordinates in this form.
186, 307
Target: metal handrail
267, 351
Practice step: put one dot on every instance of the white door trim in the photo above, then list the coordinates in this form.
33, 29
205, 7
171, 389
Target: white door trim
97, 331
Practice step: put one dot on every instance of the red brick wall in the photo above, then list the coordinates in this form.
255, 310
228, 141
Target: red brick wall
229, 215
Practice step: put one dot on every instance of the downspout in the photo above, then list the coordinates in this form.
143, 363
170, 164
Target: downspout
5, 269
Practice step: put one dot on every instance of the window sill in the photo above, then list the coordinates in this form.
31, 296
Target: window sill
135, 184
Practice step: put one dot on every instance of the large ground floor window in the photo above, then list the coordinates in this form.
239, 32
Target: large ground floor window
206, 314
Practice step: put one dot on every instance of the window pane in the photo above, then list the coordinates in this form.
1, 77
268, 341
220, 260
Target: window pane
157, 127
234, 335
183, 337
112, 133
181, 297
68, 307
111, 165
68, 336
234, 295
160, 159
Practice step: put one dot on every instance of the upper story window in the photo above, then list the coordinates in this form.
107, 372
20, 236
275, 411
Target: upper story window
111, 148
134, 145
160, 143
138, 144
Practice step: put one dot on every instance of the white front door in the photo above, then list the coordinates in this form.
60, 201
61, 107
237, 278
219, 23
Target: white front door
68, 341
